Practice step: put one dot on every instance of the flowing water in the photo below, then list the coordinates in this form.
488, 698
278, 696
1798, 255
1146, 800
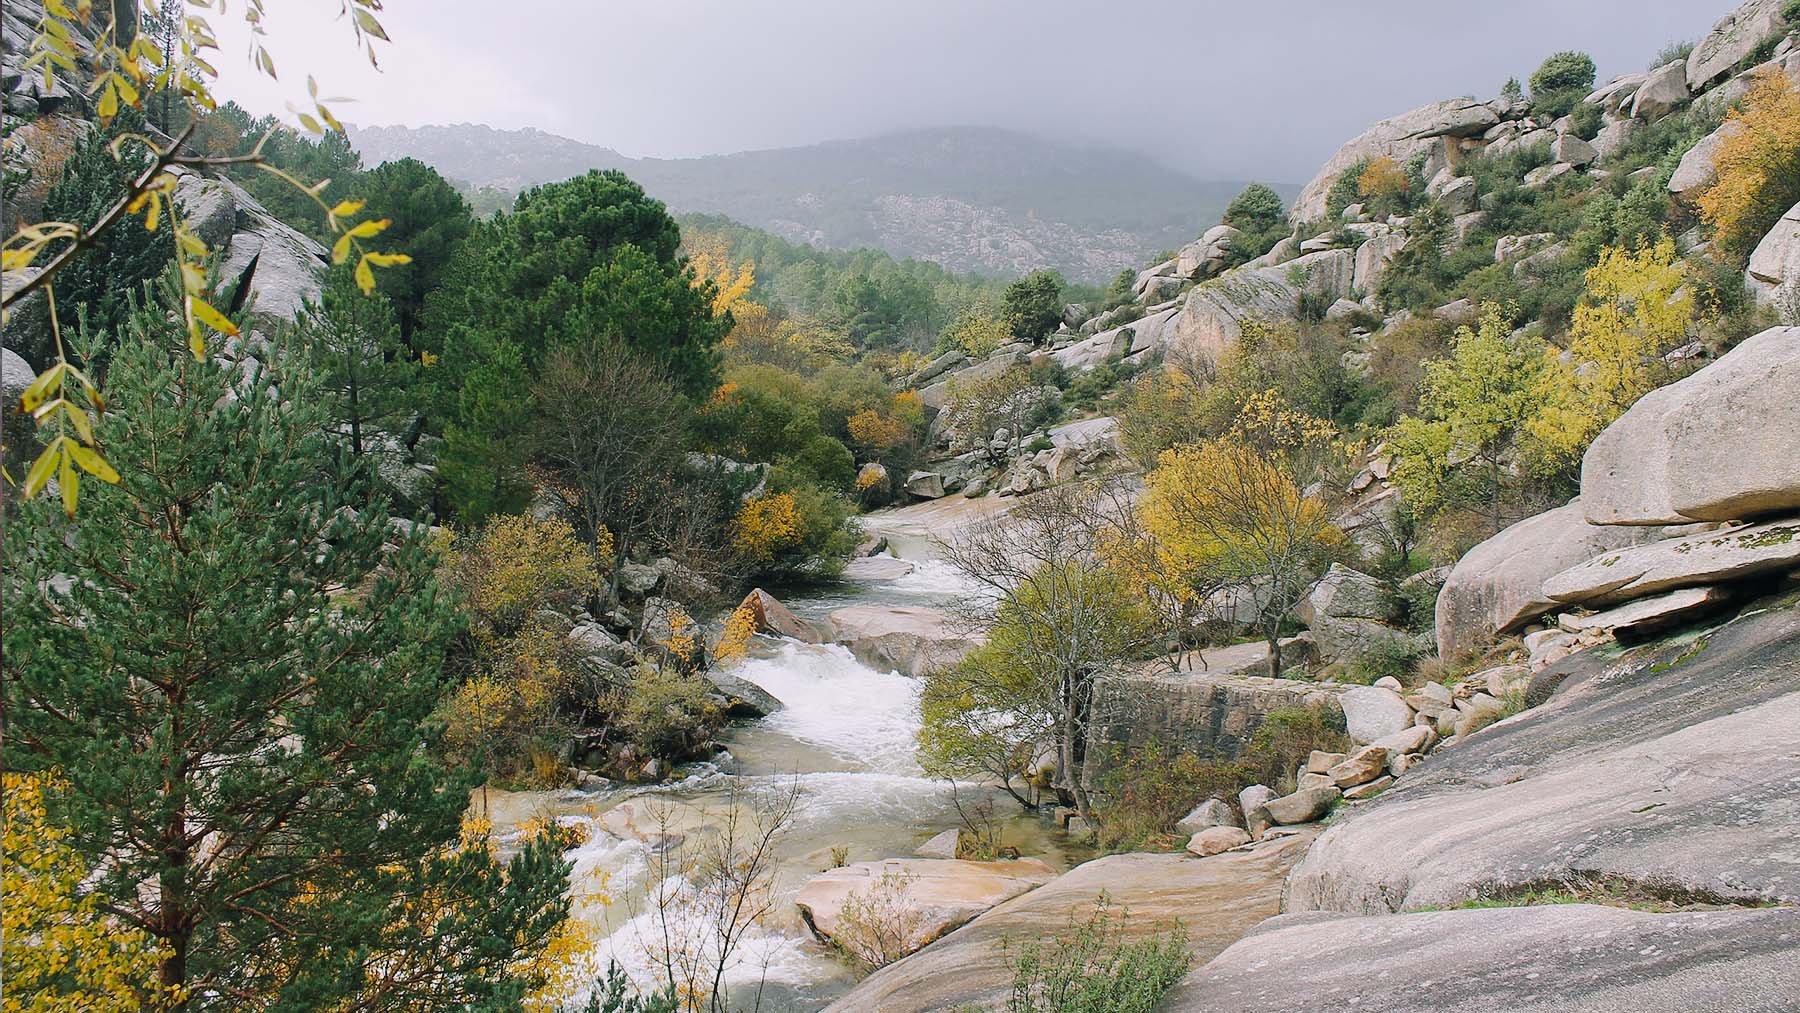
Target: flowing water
843, 744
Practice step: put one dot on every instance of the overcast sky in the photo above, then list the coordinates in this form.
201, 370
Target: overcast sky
1222, 89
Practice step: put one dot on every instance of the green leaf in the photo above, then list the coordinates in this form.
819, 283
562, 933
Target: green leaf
39, 475
94, 464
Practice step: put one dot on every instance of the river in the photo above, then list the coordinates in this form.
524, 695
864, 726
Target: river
844, 742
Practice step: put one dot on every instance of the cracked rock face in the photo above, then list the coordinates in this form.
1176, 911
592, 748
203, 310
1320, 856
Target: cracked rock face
1399, 138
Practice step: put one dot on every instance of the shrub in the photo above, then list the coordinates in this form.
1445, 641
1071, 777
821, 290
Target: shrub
1287, 736
879, 925
1150, 791
977, 334
1384, 656
1346, 190
1672, 51
1033, 306
521, 564
1585, 121
1091, 968
1790, 12
1561, 81
667, 714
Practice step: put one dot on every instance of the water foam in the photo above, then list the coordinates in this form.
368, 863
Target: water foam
863, 717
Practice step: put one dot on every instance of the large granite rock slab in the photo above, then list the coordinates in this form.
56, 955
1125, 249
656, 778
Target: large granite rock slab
776, 619
1715, 446
1732, 38
1671, 767
1552, 958
1498, 585
929, 896
1216, 899
1211, 713
1213, 317
1708, 558
1777, 258
911, 641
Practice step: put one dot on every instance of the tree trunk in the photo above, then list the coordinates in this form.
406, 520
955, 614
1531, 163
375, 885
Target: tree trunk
355, 413
175, 929
1274, 639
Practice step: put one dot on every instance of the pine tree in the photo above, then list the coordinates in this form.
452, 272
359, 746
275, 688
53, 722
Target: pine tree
230, 674
364, 373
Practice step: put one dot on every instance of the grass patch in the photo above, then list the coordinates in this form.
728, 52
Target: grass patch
1606, 890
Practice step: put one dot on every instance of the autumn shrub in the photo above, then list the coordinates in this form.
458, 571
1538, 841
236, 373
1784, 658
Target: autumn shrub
1287, 736
1381, 657
975, 334
879, 924
511, 713
1093, 967
1150, 790
667, 714
520, 564
1758, 166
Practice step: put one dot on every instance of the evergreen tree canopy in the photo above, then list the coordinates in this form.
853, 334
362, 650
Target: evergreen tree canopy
429, 221
233, 674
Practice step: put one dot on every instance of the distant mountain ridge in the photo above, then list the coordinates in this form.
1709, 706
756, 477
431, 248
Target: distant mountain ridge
975, 199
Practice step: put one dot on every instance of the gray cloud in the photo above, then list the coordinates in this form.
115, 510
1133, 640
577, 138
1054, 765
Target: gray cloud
1218, 88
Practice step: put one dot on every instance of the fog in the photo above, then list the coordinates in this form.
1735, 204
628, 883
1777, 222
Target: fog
1219, 89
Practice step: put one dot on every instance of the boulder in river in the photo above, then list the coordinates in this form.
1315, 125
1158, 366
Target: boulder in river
911, 641
776, 619
910, 900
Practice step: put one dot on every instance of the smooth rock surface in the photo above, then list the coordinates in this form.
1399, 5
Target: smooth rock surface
1399, 138
1216, 900
1211, 813
1732, 38
1648, 614
1777, 258
911, 641
1308, 805
1717, 445
1552, 958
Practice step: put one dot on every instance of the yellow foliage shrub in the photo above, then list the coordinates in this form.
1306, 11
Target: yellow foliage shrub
1382, 178
520, 564
1758, 165
766, 526
734, 642
63, 953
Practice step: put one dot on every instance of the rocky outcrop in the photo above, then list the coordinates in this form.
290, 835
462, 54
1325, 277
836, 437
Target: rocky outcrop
1214, 314
1732, 38
1659, 769
911, 641
1498, 585
973, 967
1698, 560
1544, 959
741, 698
1717, 445
917, 899
1423, 130
1698, 169
1776, 261
1209, 713
1661, 93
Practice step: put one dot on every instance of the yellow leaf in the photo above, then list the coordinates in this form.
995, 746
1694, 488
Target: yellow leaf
94, 464
204, 311
39, 475
311, 124
71, 488
372, 227
346, 208
340, 250
264, 61
365, 278
388, 259
109, 105
80, 419
126, 91
12, 260
34, 395
368, 24
154, 218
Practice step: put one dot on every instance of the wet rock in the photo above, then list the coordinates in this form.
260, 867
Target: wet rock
776, 619
911, 641
942, 845
741, 697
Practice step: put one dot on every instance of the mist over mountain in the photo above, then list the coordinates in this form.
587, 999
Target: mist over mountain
977, 199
